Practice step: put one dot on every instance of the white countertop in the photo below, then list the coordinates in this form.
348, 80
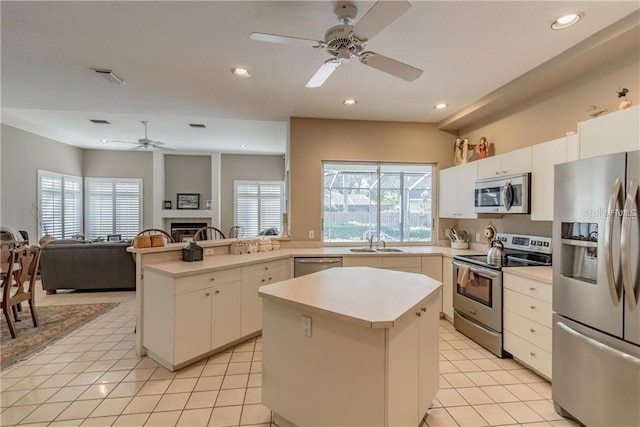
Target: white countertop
541, 274
369, 297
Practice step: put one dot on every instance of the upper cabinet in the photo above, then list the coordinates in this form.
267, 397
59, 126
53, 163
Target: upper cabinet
511, 163
611, 133
544, 157
456, 191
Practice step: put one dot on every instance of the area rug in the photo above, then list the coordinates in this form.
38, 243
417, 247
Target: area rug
55, 322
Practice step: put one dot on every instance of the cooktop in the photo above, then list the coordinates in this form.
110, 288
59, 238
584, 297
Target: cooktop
521, 250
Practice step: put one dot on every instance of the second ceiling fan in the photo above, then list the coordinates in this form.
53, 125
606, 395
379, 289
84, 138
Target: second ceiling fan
347, 41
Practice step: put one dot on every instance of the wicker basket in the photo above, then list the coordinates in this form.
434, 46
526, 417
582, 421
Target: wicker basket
142, 242
157, 240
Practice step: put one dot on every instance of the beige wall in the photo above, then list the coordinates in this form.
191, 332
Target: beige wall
124, 164
187, 174
244, 167
23, 153
315, 140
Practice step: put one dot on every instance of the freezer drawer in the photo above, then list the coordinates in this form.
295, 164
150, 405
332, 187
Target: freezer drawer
596, 378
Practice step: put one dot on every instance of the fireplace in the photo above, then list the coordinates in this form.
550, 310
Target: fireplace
184, 231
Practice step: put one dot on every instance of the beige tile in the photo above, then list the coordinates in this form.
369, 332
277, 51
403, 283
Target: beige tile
225, 416
444, 345
162, 373
35, 397
163, 419
221, 358
99, 421
66, 423
126, 389
194, 417
66, 357
255, 380
126, 364
452, 355
256, 367
208, 383
182, 385
214, 370
466, 416
50, 369
46, 412
543, 389
230, 397
253, 395
154, 387
439, 417
503, 377
192, 371
499, 394
147, 363
474, 395
248, 345
447, 367
97, 391
255, 414
523, 392
565, 422
234, 381
85, 378
67, 394
142, 404
15, 414
527, 376
239, 368
111, 407
8, 382
139, 374
75, 367
131, 420
545, 409
173, 402
450, 397
20, 371
112, 377
464, 366
257, 356
8, 398
241, 357
29, 383
79, 409
445, 384
494, 414
457, 380
487, 364
202, 399
481, 379
521, 412
460, 344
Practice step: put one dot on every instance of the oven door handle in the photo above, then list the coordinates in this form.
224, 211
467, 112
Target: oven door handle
479, 271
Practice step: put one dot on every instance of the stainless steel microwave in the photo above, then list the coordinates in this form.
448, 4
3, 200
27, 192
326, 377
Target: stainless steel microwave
504, 194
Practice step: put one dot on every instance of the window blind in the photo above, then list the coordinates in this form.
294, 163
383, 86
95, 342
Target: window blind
59, 210
258, 206
114, 206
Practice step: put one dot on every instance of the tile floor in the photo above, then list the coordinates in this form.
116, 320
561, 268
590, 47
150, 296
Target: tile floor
92, 377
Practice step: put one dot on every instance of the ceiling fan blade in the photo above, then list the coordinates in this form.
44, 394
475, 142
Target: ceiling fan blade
156, 142
323, 73
293, 41
121, 142
381, 14
391, 66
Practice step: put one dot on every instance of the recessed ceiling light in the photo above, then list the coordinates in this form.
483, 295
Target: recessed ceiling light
440, 106
109, 76
104, 140
197, 125
350, 102
99, 122
240, 72
567, 20
243, 145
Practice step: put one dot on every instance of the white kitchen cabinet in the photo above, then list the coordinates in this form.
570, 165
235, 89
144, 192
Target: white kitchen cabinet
527, 317
254, 276
187, 318
447, 288
362, 261
432, 267
511, 163
456, 191
409, 264
610, 133
544, 157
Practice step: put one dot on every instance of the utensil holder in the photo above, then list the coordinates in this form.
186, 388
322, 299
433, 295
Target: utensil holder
459, 245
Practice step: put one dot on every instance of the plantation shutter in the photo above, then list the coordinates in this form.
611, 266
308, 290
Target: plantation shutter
258, 206
59, 210
114, 206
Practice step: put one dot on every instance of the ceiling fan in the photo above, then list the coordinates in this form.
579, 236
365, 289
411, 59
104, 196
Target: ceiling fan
346, 41
144, 143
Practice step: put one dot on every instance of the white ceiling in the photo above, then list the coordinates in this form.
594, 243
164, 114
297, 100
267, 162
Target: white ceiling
176, 58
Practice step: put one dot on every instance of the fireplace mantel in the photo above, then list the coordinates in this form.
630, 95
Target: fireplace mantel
186, 213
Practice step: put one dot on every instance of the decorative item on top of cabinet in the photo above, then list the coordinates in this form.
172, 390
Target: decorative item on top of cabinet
595, 111
462, 151
483, 148
624, 102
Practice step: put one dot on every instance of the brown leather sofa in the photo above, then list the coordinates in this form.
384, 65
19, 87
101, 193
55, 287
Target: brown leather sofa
73, 264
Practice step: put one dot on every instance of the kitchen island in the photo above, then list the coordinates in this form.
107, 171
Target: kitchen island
351, 346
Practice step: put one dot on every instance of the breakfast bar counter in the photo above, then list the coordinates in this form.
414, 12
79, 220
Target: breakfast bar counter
350, 346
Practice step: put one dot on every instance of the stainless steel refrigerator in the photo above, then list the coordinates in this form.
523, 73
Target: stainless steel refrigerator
596, 275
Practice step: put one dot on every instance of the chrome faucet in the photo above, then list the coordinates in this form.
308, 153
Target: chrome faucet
370, 239
384, 244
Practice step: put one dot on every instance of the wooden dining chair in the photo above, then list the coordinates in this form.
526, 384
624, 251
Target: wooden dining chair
19, 284
236, 232
208, 233
151, 231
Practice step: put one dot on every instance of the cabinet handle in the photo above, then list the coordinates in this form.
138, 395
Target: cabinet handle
262, 280
213, 279
532, 289
497, 172
532, 353
533, 331
504, 172
207, 294
269, 278
424, 309
418, 314
472, 311
217, 292
266, 268
532, 307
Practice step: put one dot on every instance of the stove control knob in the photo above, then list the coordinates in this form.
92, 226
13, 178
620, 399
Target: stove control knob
546, 244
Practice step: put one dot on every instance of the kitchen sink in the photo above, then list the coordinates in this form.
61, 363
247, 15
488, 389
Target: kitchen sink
389, 250
362, 250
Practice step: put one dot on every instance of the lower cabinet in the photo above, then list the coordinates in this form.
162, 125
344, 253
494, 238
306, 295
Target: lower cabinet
447, 288
254, 276
527, 318
409, 264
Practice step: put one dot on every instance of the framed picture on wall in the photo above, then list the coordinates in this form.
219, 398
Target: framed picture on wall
188, 201
167, 204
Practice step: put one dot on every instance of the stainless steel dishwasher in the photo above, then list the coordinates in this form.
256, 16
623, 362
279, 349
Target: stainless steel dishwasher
308, 265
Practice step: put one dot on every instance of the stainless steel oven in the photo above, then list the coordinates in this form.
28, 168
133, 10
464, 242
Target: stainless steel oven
477, 296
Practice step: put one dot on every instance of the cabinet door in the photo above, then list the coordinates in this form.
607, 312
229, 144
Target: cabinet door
448, 193
225, 314
428, 354
544, 157
432, 267
611, 133
251, 304
515, 162
467, 175
192, 325
447, 287
489, 167
362, 261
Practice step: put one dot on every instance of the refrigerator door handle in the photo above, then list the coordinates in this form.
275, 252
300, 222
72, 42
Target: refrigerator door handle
631, 289
600, 346
615, 281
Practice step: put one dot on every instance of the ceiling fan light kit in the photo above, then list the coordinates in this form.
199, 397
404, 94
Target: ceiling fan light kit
346, 41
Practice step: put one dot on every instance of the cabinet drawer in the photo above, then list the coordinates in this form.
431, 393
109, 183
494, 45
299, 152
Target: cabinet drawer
535, 289
531, 308
362, 261
206, 280
527, 329
402, 261
530, 354
264, 268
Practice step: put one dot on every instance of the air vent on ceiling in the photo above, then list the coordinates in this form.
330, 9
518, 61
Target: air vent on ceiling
197, 125
109, 76
99, 121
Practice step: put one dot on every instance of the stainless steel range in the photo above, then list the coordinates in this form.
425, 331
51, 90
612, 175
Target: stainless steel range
477, 296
